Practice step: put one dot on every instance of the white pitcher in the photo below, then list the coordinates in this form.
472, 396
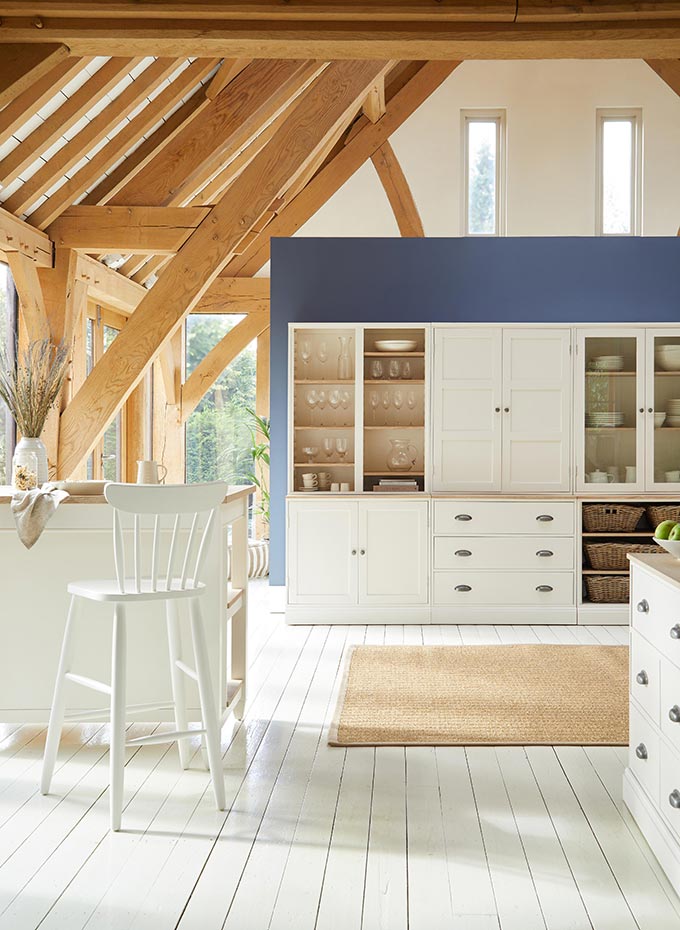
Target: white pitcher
149, 472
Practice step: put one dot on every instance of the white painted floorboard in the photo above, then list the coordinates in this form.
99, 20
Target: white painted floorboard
321, 838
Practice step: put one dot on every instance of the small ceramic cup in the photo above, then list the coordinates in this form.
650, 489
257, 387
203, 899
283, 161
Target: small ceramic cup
310, 480
673, 476
344, 486
335, 487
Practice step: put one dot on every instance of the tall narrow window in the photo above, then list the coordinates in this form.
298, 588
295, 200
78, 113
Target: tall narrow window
619, 172
483, 162
8, 307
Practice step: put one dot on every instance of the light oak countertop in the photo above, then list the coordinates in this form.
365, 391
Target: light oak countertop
236, 492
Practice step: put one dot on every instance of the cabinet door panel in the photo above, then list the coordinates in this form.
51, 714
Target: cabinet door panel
321, 539
466, 424
537, 410
393, 537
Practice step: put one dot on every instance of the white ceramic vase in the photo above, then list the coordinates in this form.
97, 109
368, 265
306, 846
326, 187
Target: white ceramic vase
37, 447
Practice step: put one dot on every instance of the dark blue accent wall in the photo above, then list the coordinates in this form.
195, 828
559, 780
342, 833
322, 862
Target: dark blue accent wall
514, 280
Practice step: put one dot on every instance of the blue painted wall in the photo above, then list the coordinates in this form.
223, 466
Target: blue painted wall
456, 280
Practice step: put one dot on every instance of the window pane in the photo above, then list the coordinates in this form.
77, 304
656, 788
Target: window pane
482, 194
6, 344
111, 445
617, 177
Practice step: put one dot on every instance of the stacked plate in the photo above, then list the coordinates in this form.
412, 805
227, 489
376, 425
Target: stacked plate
605, 420
607, 363
673, 412
668, 357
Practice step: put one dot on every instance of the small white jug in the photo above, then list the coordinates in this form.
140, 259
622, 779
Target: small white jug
148, 472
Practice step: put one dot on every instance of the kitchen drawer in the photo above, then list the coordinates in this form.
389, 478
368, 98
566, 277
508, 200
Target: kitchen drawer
522, 553
486, 518
645, 671
670, 702
655, 612
477, 589
669, 787
643, 753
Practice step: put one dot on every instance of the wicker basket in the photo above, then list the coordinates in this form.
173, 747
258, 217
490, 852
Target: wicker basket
611, 556
608, 589
657, 513
611, 518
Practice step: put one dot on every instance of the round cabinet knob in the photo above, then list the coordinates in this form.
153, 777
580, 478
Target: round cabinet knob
544, 553
463, 516
642, 409
642, 678
544, 587
641, 751
362, 552
674, 714
544, 518
650, 409
463, 553
354, 551
507, 409
675, 631
462, 587
643, 607
498, 409
674, 799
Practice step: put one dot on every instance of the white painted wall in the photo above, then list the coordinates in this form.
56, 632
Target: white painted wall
551, 151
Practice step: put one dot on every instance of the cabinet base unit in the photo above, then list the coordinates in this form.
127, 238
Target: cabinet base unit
497, 616
662, 841
384, 616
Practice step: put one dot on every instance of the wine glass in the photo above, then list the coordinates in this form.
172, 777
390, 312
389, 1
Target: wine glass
341, 447
386, 402
376, 369
411, 403
322, 352
334, 401
394, 368
329, 447
321, 404
344, 400
406, 370
398, 401
374, 399
311, 399
311, 453
305, 353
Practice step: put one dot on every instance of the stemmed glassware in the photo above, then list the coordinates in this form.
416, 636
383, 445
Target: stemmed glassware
411, 403
329, 447
398, 401
321, 404
334, 401
406, 370
305, 353
386, 402
394, 368
376, 369
311, 453
311, 399
344, 400
341, 447
374, 400
322, 352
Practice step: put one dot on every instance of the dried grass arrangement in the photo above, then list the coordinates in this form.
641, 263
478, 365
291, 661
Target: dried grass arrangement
32, 386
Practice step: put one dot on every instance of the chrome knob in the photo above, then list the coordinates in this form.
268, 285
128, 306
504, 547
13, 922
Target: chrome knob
544, 587
545, 518
675, 631
643, 607
674, 798
545, 553
642, 678
674, 714
463, 516
462, 587
641, 751
463, 553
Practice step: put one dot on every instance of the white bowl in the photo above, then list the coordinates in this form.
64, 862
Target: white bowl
659, 418
396, 345
670, 545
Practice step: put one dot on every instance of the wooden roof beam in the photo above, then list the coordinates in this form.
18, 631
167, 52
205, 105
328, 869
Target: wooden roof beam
19, 236
31, 300
109, 287
398, 191
22, 65
228, 70
142, 230
315, 117
374, 104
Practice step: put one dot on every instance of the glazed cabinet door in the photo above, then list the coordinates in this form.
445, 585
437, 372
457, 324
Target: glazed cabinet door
662, 410
536, 410
393, 552
467, 409
322, 552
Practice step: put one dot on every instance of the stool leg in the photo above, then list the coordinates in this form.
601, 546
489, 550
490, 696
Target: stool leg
177, 679
58, 702
117, 750
208, 709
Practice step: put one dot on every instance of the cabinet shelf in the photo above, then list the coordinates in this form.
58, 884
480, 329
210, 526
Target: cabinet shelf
394, 355
394, 381
324, 381
324, 465
420, 426
625, 535
326, 428
394, 474
630, 374
595, 571
610, 429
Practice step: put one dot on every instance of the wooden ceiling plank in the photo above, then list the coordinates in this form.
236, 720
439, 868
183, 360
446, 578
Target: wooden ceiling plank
22, 65
31, 300
90, 135
223, 354
228, 70
235, 116
370, 137
315, 117
37, 95
150, 268
68, 114
122, 142
398, 191
19, 236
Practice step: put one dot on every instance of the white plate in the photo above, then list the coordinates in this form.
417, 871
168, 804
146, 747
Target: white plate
396, 345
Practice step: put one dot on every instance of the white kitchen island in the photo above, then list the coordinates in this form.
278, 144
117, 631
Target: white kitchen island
78, 544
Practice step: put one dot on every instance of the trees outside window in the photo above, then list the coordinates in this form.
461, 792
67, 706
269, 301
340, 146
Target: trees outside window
483, 172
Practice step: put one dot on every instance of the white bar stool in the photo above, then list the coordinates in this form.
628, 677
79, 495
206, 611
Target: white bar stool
199, 503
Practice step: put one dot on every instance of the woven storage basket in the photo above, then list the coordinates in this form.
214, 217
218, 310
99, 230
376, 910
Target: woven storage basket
608, 589
611, 557
657, 513
611, 518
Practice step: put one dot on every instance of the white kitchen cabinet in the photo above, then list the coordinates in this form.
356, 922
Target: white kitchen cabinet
393, 546
501, 409
322, 552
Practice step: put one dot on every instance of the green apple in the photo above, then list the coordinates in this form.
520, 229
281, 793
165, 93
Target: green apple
675, 533
664, 530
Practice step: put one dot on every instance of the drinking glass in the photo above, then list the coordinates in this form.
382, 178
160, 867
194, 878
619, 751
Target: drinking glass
341, 447
311, 453
321, 404
344, 400
329, 447
374, 399
334, 401
406, 370
411, 403
322, 352
305, 353
376, 369
311, 399
398, 401
386, 402
394, 368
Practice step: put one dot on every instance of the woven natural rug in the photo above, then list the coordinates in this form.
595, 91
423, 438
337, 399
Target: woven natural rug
483, 695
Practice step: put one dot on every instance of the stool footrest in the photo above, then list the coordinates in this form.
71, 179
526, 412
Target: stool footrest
95, 713
167, 737
90, 683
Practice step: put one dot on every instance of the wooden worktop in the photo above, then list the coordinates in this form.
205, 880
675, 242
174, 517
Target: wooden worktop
236, 492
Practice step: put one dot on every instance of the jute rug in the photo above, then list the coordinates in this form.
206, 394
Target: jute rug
483, 695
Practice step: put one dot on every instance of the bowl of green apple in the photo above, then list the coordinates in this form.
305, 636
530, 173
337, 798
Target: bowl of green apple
667, 535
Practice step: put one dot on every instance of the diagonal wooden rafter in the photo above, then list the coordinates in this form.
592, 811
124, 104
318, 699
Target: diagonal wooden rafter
229, 69
23, 65
223, 354
398, 191
31, 300
19, 236
152, 230
313, 119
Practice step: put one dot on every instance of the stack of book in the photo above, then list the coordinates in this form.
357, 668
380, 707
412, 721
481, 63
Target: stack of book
396, 484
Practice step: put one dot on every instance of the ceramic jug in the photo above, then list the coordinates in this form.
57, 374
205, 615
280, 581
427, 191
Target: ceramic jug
402, 456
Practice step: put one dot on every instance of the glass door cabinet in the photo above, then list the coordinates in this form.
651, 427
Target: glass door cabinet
663, 410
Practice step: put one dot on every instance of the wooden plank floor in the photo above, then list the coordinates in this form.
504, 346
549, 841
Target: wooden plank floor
332, 839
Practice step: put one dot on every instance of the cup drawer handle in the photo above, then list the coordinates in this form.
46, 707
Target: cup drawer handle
544, 588
545, 518
463, 553
463, 516
674, 714
462, 587
642, 678
545, 553
674, 799
641, 751
643, 607
675, 631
